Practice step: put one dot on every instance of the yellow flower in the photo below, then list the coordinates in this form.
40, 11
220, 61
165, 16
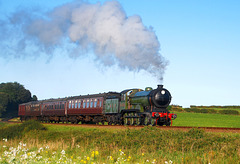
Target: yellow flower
96, 152
92, 155
120, 149
142, 154
72, 157
84, 161
88, 158
129, 157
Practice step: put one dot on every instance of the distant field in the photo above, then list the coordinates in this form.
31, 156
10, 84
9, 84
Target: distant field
206, 120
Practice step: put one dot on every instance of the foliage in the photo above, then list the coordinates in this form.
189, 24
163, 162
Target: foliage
11, 95
234, 112
17, 131
103, 145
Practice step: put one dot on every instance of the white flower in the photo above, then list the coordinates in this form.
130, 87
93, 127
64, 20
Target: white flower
5, 139
63, 152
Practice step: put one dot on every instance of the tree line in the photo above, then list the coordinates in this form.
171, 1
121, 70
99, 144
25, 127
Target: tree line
11, 95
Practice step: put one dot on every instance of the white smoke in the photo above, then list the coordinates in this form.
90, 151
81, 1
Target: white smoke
114, 37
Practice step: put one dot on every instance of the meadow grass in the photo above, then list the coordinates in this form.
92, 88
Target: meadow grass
206, 120
58, 144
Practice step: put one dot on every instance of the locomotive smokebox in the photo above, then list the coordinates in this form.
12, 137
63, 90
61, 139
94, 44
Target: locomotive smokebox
160, 97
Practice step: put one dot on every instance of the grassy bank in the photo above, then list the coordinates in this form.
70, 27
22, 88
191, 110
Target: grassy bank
147, 145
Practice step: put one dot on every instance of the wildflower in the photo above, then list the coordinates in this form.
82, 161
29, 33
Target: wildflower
5, 139
88, 158
110, 157
63, 152
96, 152
142, 154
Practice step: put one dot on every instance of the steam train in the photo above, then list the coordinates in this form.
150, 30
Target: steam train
129, 107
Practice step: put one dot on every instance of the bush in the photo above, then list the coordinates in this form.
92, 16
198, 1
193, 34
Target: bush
188, 109
212, 111
17, 131
233, 112
204, 111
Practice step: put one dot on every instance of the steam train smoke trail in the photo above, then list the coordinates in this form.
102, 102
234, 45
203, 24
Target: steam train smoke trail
105, 29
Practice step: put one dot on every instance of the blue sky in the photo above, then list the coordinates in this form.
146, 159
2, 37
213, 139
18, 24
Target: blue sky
200, 40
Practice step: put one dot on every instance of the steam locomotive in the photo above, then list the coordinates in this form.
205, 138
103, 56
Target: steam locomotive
129, 107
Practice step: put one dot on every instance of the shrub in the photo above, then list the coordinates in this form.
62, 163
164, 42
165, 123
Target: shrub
188, 109
204, 111
17, 131
233, 112
212, 111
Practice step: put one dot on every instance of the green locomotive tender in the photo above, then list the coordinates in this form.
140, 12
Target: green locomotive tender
130, 107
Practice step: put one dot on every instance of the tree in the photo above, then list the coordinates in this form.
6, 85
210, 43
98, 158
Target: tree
11, 95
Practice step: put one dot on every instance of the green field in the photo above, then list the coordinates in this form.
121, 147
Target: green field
206, 120
32, 142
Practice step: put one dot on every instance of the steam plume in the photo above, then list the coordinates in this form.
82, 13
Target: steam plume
105, 29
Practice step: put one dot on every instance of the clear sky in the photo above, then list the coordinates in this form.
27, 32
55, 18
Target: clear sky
199, 39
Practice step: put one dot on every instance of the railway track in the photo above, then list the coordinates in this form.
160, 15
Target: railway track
183, 128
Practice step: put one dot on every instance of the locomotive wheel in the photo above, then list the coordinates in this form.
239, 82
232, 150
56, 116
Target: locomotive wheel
153, 121
132, 120
138, 121
168, 123
146, 120
126, 119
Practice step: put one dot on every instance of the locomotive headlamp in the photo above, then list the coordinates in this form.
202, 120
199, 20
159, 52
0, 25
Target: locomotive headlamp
162, 92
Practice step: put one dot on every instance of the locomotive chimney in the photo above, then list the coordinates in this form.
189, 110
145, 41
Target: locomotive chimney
160, 86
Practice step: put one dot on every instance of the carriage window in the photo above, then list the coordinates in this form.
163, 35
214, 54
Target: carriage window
87, 104
70, 104
95, 103
76, 104
100, 103
91, 105
84, 104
